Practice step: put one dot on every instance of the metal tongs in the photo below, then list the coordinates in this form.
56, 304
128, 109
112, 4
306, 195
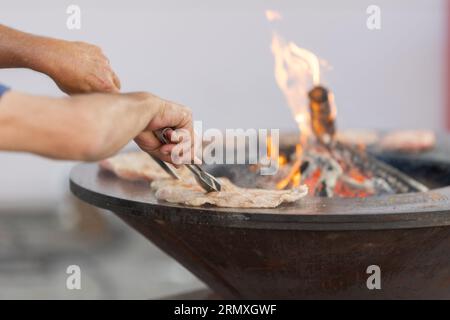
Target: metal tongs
207, 181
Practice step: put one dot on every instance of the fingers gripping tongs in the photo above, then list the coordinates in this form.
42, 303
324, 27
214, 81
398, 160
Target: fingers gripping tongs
207, 181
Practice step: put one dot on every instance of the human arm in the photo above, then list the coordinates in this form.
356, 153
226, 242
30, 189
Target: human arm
76, 67
87, 127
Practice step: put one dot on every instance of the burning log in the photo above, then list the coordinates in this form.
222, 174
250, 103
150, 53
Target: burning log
340, 159
322, 114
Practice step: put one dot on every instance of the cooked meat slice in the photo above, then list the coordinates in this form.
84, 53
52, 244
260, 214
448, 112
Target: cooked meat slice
189, 193
357, 137
408, 141
134, 166
140, 166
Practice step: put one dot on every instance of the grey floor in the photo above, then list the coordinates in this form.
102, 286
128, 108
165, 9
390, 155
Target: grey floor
116, 263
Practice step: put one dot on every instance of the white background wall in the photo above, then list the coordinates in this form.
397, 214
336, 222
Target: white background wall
215, 57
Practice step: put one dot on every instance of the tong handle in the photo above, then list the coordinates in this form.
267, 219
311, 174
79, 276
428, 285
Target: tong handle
204, 179
161, 135
165, 167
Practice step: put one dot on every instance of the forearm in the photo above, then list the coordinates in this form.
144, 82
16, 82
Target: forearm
88, 127
39, 125
114, 119
23, 50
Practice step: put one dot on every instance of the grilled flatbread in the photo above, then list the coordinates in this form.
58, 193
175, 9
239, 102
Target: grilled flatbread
140, 166
412, 141
357, 137
188, 192
134, 166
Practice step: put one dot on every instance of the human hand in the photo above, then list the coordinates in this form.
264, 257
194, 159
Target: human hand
180, 135
78, 67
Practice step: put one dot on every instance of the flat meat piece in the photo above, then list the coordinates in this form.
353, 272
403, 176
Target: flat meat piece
412, 141
134, 166
357, 137
187, 192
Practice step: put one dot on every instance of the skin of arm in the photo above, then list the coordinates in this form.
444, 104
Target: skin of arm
76, 67
81, 127
88, 127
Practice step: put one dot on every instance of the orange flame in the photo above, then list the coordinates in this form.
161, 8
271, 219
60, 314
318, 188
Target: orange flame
294, 176
273, 15
297, 70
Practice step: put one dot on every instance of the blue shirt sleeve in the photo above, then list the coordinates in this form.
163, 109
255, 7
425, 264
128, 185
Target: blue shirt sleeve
3, 89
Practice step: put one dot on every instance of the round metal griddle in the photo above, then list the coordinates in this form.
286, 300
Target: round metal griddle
315, 248
415, 210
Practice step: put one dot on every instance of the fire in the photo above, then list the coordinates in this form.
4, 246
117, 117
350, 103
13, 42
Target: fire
282, 160
296, 70
272, 15
298, 75
294, 177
